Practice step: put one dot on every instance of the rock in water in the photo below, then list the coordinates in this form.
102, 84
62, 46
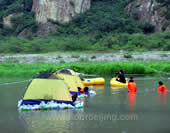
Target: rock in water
59, 10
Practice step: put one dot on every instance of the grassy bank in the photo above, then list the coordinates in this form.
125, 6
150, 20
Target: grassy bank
106, 68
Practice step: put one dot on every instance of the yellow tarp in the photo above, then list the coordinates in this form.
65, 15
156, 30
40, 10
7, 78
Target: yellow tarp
48, 89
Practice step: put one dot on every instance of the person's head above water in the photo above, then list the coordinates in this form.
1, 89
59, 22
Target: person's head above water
86, 89
160, 83
131, 79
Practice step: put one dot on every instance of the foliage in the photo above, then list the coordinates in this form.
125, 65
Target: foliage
23, 21
165, 3
114, 42
105, 16
106, 26
22, 15
127, 55
102, 68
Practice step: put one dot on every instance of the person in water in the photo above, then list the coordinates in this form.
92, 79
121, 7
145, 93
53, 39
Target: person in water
83, 91
162, 87
121, 77
86, 91
80, 90
132, 85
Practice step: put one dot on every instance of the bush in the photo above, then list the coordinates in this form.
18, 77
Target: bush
24, 21
127, 55
62, 61
20, 22
93, 57
28, 5
104, 17
84, 59
148, 28
128, 42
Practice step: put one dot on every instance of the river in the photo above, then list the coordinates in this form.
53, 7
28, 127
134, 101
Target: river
111, 110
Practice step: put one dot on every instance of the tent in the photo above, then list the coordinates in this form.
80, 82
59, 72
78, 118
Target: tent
67, 71
71, 79
46, 90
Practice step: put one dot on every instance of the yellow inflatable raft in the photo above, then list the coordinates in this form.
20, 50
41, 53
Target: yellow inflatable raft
115, 83
94, 81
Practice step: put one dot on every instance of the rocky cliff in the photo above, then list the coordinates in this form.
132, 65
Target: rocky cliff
145, 11
59, 10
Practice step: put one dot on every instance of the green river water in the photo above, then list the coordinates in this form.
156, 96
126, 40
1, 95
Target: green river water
111, 110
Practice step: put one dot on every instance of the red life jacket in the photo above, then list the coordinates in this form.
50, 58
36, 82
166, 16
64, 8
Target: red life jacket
162, 88
132, 87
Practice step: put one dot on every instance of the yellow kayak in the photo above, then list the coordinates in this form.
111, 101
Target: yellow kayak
115, 83
94, 81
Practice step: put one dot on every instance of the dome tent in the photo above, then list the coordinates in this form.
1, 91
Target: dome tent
43, 91
72, 80
67, 72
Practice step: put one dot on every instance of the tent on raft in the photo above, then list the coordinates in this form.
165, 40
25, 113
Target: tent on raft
70, 77
46, 91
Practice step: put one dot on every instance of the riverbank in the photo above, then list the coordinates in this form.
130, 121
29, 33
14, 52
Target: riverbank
86, 56
99, 68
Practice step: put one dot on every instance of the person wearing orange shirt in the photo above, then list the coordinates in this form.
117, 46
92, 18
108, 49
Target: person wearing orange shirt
83, 91
132, 94
162, 87
132, 85
162, 91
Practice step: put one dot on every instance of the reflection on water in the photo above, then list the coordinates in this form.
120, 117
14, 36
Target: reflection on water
162, 97
48, 121
132, 101
110, 110
162, 100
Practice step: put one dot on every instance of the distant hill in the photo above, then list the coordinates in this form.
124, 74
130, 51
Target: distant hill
84, 24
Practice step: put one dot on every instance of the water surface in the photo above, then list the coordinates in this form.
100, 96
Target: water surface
111, 110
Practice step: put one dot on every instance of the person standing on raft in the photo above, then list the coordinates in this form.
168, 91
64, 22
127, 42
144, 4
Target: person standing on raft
121, 76
132, 85
162, 87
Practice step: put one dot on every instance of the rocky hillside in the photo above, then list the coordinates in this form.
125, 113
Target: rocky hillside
68, 25
27, 16
152, 12
50, 12
41, 17
58, 10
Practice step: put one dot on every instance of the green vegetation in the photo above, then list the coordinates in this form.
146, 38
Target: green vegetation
22, 16
106, 26
102, 68
134, 42
128, 55
165, 12
105, 16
